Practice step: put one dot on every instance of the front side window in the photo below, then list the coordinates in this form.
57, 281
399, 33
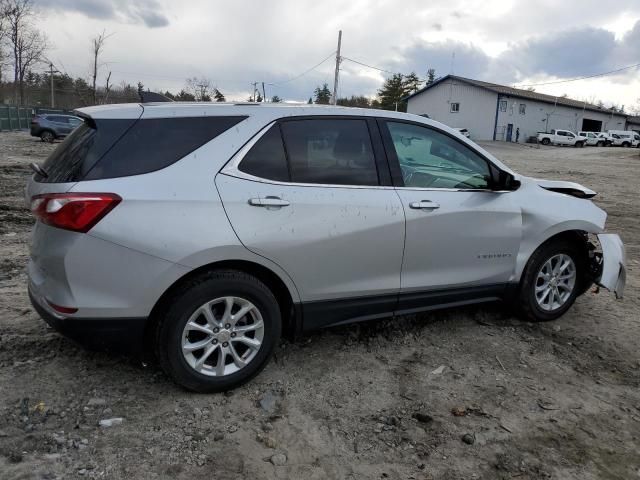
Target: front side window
455, 107
430, 159
330, 151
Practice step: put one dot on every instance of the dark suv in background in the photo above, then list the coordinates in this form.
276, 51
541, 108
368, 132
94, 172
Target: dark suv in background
49, 126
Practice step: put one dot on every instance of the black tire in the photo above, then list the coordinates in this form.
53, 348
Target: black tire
545, 141
190, 297
47, 136
527, 304
600, 144
626, 144
579, 144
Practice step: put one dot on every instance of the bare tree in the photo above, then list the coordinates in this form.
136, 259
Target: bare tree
107, 89
98, 44
27, 44
200, 88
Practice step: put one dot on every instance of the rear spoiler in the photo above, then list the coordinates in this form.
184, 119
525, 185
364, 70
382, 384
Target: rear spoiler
147, 97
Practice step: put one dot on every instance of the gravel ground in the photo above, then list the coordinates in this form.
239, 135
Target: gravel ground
460, 394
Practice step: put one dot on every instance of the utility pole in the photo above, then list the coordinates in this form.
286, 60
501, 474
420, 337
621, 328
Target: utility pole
264, 95
51, 72
334, 100
255, 89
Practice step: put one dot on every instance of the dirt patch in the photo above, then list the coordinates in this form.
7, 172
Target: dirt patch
465, 393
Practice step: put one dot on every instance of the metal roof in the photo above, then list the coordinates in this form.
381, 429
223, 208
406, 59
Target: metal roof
517, 92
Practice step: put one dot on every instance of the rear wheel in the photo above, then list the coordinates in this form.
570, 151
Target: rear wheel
579, 144
219, 332
552, 280
47, 136
546, 141
626, 144
600, 144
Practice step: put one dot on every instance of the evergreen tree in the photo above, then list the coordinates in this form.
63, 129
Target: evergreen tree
392, 93
259, 97
140, 89
184, 96
323, 95
355, 101
217, 94
276, 99
431, 76
412, 83
310, 102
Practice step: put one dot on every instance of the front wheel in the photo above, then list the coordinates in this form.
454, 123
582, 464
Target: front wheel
552, 280
219, 331
545, 141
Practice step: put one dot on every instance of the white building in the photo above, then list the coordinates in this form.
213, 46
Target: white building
495, 112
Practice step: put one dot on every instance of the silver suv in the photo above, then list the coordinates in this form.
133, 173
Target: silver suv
208, 230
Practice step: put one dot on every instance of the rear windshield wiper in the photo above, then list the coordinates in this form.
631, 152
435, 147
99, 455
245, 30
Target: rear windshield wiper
39, 170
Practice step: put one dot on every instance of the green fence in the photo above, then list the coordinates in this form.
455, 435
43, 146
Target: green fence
14, 118
19, 118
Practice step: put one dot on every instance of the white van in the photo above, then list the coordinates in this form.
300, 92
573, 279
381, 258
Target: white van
624, 138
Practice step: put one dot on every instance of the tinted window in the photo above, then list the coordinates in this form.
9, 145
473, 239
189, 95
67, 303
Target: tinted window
267, 159
58, 119
80, 151
116, 148
430, 159
330, 151
152, 144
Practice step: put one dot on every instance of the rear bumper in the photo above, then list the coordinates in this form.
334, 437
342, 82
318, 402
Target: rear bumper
117, 334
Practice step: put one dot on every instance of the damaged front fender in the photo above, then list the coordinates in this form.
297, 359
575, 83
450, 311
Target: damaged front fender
613, 274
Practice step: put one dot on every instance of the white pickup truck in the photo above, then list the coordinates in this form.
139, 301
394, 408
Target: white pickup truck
561, 137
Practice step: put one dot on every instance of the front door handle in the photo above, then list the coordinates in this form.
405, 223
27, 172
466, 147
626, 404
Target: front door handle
268, 202
424, 205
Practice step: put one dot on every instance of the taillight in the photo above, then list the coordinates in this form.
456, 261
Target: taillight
78, 212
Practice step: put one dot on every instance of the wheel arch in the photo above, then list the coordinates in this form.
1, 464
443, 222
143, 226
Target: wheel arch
287, 300
574, 231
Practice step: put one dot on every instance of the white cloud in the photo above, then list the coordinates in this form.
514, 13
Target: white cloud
238, 42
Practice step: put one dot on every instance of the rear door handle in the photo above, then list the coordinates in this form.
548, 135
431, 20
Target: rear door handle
424, 205
268, 202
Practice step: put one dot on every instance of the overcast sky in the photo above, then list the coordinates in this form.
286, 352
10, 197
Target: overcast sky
236, 42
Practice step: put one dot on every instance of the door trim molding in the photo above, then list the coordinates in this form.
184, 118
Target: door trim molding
329, 313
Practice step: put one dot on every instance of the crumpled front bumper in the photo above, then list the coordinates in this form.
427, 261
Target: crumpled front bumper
614, 274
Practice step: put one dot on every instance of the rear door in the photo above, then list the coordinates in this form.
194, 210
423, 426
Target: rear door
462, 238
313, 195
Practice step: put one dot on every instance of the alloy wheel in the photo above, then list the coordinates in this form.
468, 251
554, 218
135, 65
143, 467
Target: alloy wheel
222, 336
555, 282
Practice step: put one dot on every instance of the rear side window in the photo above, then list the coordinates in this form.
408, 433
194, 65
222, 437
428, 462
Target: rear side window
267, 158
152, 144
330, 151
116, 148
80, 151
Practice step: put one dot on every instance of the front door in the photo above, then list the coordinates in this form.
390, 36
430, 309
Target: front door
509, 132
460, 235
320, 210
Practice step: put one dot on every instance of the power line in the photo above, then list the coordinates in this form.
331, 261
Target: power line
610, 72
276, 84
369, 66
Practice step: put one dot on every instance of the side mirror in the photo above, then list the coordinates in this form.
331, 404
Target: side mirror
503, 180
506, 181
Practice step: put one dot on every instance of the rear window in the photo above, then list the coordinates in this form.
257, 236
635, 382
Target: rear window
118, 148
